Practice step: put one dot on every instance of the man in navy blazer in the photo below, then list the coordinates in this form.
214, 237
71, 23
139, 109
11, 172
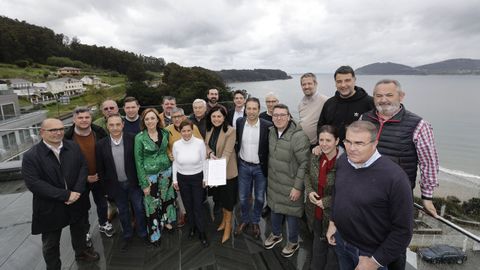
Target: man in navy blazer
252, 150
117, 172
55, 171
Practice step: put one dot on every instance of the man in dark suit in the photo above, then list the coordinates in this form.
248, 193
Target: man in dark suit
238, 109
252, 150
55, 171
116, 170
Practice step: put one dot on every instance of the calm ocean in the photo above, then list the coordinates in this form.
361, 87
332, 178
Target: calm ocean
447, 102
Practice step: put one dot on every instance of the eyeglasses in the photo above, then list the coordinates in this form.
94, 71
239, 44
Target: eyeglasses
356, 144
177, 116
279, 115
109, 108
271, 101
55, 130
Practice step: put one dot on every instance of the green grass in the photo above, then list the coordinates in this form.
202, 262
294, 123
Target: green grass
28, 73
90, 98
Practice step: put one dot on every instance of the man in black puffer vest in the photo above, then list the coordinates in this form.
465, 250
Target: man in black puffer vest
407, 139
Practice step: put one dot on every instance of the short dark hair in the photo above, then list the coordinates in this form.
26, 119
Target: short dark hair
242, 92
168, 98
222, 110
344, 70
115, 115
82, 109
281, 106
253, 99
330, 130
185, 123
130, 99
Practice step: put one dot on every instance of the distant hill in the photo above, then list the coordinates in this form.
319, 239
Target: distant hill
453, 66
388, 68
458, 66
249, 75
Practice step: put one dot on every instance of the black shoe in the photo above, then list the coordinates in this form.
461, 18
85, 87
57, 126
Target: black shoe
191, 234
157, 243
203, 240
265, 212
88, 255
125, 245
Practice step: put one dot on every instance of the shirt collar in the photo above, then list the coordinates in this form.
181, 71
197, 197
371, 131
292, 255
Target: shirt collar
367, 163
53, 148
116, 142
254, 125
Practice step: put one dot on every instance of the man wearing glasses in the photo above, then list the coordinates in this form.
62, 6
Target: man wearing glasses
55, 172
109, 107
371, 222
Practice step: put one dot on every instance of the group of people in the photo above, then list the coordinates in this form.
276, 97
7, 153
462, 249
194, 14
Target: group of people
349, 165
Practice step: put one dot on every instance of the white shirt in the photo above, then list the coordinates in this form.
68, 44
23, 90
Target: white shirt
189, 157
54, 149
250, 142
236, 115
367, 163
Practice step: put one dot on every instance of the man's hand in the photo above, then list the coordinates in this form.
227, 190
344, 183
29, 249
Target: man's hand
317, 151
330, 232
366, 263
429, 208
92, 178
175, 186
294, 194
74, 196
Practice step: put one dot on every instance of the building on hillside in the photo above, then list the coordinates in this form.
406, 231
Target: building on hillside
68, 71
21, 87
65, 87
18, 132
91, 80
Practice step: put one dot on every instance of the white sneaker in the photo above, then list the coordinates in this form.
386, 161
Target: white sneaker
107, 229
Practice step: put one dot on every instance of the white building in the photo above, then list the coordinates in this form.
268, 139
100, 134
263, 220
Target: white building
65, 86
91, 80
21, 87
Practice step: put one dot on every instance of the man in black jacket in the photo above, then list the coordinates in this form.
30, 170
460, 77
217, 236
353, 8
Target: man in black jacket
86, 134
252, 150
238, 109
348, 103
55, 172
116, 169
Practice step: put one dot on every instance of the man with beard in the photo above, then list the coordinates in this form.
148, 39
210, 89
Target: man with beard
349, 102
212, 99
310, 106
168, 104
407, 139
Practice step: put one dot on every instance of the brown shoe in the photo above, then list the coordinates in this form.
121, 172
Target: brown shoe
256, 231
241, 228
88, 255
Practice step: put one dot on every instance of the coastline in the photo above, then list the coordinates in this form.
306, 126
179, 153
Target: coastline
462, 187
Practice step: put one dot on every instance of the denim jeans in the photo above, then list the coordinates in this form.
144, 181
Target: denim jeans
348, 255
126, 193
292, 225
250, 175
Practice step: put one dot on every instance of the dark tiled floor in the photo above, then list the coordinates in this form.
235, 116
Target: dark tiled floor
21, 250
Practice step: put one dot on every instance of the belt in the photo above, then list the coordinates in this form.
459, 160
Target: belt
249, 163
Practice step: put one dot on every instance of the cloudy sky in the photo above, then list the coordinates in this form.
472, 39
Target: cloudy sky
295, 36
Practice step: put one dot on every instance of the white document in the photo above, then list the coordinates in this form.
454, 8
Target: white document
216, 172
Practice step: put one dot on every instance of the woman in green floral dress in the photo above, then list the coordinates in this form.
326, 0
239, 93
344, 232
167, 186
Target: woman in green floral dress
155, 175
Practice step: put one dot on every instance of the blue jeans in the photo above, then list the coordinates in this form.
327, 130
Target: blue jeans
251, 175
348, 254
134, 195
292, 224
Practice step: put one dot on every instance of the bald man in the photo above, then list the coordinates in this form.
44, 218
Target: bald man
55, 171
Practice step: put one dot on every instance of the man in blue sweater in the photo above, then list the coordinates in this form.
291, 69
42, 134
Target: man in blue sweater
371, 220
